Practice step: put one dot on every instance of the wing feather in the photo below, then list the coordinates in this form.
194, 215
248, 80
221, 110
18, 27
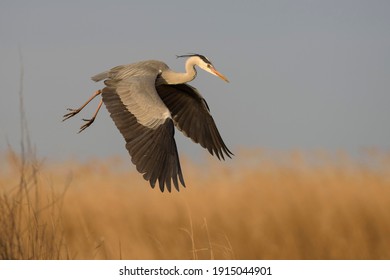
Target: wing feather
192, 116
147, 127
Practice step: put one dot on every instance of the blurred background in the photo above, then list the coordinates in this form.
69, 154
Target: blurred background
306, 113
304, 74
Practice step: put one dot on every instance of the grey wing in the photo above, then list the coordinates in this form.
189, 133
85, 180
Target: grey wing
192, 116
147, 126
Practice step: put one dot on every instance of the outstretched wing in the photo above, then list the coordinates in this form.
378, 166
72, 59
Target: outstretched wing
146, 124
192, 116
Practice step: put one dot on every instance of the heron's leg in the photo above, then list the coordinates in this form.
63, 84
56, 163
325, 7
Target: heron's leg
76, 111
90, 121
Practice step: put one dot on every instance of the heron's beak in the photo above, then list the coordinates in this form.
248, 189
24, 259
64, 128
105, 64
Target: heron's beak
219, 74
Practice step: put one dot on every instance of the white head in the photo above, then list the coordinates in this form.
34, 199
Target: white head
205, 64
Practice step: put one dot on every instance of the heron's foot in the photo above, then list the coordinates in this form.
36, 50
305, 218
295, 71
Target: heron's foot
87, 124
72, 113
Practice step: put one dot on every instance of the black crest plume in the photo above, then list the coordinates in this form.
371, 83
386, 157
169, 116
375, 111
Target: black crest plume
205, 59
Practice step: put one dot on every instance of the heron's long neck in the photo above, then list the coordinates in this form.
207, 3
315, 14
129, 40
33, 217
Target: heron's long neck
172, 77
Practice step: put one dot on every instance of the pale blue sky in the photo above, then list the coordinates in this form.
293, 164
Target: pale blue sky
304, 74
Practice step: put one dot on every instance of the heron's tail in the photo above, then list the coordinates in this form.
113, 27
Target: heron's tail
100, 76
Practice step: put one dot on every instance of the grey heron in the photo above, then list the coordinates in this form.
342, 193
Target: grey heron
146, 100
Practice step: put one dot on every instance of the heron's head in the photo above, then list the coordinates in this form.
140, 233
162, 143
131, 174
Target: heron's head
205, 64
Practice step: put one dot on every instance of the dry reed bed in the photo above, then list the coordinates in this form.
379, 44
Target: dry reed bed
258, 206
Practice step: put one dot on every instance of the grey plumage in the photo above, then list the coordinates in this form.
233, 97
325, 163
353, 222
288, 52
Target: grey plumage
146, 100
101, 76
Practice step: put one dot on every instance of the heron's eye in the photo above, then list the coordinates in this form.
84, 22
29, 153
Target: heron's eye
208, 65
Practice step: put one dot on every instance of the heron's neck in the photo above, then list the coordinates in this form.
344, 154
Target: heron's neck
170, 77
